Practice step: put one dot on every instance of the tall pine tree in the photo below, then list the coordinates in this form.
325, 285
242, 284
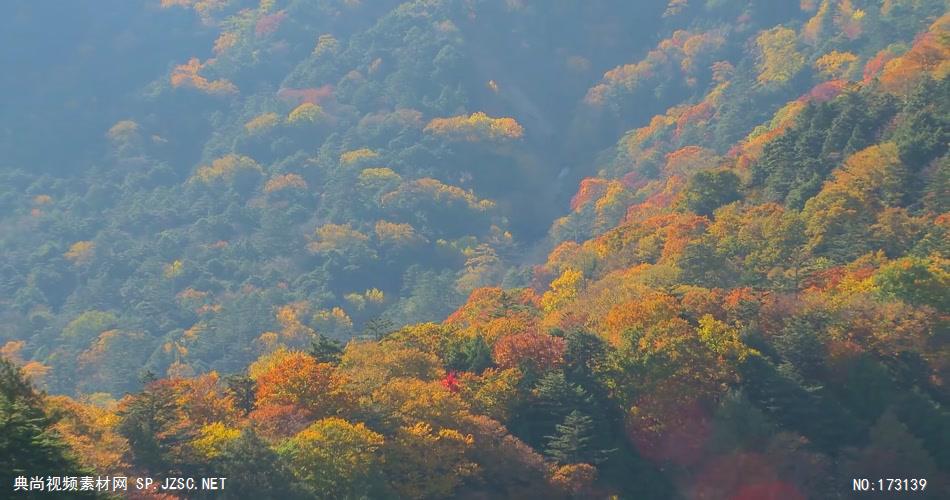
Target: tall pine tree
28, 447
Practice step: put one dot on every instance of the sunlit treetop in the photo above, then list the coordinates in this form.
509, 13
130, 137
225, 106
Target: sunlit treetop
378, 176
357, 156
306, 113
261, 123
284, 182
397, 234
428, 190
225, 41
476, 127
336, 237
80, 252
780, 59
187, 75
836, 65
679, 56
227, 168
930, 55
123, 130
326, 44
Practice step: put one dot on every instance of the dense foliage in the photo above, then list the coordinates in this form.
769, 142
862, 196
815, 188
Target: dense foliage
310, 256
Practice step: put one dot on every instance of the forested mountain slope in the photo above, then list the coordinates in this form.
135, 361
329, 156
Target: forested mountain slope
505, 248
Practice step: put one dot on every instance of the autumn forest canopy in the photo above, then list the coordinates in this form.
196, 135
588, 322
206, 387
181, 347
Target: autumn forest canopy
476, 248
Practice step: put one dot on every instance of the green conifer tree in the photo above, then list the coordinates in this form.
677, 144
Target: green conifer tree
28, 447
573, 441
325, 349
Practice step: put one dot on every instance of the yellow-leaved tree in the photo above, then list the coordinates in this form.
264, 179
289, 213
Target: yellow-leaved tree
335, 458
779, 58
